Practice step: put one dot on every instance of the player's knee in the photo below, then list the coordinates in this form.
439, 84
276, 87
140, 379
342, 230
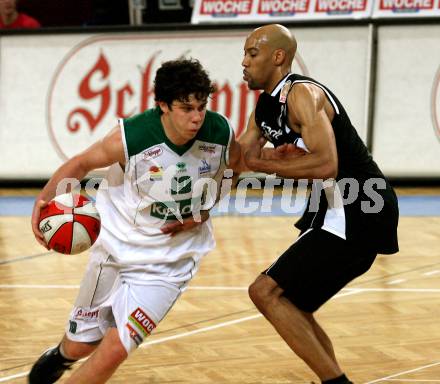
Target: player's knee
261, 293
74, 350
112, 350
115, 355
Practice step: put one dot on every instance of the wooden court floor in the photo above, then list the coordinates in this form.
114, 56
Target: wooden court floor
385, 325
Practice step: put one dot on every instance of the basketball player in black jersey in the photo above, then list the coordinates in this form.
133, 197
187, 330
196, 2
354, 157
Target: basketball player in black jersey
352, 213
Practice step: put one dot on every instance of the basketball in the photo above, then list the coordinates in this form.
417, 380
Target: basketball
70, 223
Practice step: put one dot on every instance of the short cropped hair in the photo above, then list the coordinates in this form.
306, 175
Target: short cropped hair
178, 79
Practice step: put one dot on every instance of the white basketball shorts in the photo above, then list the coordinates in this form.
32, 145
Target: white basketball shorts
133, 298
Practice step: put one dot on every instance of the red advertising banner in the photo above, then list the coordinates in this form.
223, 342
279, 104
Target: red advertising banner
406, 8
404, 5
340, 6
283, 7
226, 8
217, 11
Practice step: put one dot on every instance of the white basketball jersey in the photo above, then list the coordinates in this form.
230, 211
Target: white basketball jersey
162, 182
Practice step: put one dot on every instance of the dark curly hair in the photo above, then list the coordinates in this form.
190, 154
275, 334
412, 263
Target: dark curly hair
178, 79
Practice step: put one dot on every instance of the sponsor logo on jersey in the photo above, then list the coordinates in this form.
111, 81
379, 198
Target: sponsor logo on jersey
156, 173
207, 148
270, 133
435, 104
225, 7
172, 210
142, 322
181, 185
83, 314
181, 167
134, 335
152, 153
285, 91
205, 167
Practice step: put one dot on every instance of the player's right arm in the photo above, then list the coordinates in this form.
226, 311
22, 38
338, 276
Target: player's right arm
309, 114
102, 154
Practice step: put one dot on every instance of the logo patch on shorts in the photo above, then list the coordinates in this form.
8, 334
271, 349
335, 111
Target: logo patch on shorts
134, 335
72, 326
86, 315
142, 322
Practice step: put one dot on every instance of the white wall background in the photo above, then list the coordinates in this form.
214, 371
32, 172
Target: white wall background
40, 78
405, 142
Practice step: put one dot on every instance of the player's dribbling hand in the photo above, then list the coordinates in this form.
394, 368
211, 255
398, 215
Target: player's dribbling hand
39, 204
175, 227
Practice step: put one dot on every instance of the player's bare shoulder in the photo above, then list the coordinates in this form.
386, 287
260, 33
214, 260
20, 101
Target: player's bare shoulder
114, 145
305, 101
306, 95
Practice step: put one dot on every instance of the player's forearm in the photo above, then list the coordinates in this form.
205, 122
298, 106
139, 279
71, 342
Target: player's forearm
236, 159
240, 167
304, 167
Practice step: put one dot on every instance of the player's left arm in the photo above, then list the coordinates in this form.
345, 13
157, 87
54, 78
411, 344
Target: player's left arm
306, 105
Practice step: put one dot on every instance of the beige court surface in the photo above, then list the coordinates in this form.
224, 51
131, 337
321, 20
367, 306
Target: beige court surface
384, 325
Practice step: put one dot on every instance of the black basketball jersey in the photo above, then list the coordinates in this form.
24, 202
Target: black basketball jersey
331, 206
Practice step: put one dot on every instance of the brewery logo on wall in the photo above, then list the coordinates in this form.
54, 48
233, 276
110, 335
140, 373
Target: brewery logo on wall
109, 77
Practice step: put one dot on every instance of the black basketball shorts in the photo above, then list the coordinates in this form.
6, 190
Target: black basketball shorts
317, 266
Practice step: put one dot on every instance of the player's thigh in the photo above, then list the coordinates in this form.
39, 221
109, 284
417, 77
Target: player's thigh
99, 282
138, 309
318, 266
100, 277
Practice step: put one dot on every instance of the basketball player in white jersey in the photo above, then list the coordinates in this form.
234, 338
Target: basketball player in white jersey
338, 241
165, 170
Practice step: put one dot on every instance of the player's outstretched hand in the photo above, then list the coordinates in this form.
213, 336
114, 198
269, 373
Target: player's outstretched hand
39, 204
175, 227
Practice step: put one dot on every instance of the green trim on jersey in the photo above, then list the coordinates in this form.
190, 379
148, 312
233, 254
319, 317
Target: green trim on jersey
215, 129
145, 130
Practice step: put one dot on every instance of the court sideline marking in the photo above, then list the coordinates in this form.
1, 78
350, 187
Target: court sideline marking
404, 372
349, 290
372, 280
22, 258
416, 380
